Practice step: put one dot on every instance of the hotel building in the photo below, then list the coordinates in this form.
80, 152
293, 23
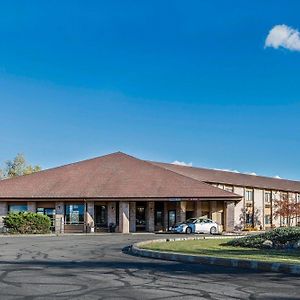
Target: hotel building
129, 194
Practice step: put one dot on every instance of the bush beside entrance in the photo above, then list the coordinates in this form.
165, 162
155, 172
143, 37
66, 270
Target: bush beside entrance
27, 223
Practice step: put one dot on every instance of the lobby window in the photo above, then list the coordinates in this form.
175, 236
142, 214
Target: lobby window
74, 213
16, 208
50, 212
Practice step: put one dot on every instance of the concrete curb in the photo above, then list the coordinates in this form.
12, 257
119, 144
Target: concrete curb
197, 259
54, 235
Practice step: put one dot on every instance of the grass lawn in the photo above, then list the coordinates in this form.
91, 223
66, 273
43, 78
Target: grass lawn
214, 247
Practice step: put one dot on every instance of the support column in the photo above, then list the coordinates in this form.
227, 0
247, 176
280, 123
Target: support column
198, 209
124, 217
229, 215
3, 213
213, 210
31, 207
59, 217
90, 216
166, 216
150, 216
258, 213
132, 216
111, 213
178, 209
182, 211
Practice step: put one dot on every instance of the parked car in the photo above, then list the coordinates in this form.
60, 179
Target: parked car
196, 225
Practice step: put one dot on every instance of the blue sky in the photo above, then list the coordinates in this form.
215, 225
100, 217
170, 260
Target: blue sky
162, 80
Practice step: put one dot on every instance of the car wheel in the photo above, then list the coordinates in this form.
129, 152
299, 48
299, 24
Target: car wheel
188, 230
213, 230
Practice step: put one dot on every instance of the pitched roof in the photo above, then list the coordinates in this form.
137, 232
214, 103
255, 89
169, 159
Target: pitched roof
115, 175
231, 178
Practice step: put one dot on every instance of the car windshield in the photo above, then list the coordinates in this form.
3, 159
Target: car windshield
191, 220
205, 220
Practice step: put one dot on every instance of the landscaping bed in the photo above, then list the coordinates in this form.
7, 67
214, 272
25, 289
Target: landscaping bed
223, 248
279, 238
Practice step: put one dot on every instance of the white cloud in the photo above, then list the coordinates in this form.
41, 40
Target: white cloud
283, 36
182, 163
278, 177
236, 171
227, 170
252, 173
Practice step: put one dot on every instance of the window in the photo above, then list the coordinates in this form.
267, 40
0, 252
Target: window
267, 197
74, 213
16, 208
159, 214
159, 218
249, 219
171, 218
50, 212
284, 196
267, 219
249, 195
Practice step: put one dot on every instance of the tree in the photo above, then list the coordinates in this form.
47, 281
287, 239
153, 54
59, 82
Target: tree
17, 167
287, 209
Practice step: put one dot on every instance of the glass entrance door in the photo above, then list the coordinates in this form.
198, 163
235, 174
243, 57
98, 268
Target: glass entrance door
171, 218
140, 217
101, 217
50, 212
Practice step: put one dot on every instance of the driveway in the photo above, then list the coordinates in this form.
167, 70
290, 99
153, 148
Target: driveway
94, 267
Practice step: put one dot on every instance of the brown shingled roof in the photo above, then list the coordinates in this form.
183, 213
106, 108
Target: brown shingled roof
231, 178
115, 175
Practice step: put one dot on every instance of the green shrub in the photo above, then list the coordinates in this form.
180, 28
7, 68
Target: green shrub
27, 222
281, 237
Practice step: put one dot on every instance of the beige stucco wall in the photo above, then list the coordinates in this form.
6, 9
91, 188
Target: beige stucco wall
259, 208
238, 211
275, 196
292, 197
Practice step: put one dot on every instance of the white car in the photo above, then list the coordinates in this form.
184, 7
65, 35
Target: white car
196, 225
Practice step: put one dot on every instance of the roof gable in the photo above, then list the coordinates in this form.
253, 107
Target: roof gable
116, 175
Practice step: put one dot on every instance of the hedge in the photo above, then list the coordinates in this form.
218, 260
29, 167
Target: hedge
26, 223
280, 237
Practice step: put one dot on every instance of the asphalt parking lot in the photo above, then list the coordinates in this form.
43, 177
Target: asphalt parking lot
94, 267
